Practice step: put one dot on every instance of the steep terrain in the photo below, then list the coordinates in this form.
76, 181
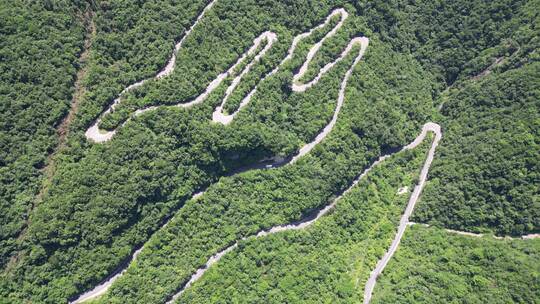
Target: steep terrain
211, 151
40, 48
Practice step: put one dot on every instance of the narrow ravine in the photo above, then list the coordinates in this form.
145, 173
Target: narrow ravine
63, 127
270, 37
497, 62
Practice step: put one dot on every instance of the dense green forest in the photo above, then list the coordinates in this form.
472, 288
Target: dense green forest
332, 259
245, 204
449, 37
435, 266
111, 197
39, 48
486, 177
106, 200
487, 174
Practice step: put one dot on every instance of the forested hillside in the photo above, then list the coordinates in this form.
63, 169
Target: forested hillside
39, 48
245, 204
470, 66
451, 39
486, 178
487, 175
332, 258
434, 266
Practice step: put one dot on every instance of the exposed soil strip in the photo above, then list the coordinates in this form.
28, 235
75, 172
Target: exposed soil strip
498, 61
63, 127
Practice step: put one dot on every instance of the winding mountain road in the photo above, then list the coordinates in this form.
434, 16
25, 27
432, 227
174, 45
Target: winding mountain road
218, 116
97, 135
472, 234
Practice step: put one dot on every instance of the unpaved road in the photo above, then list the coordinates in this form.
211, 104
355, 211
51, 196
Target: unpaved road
472, 234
